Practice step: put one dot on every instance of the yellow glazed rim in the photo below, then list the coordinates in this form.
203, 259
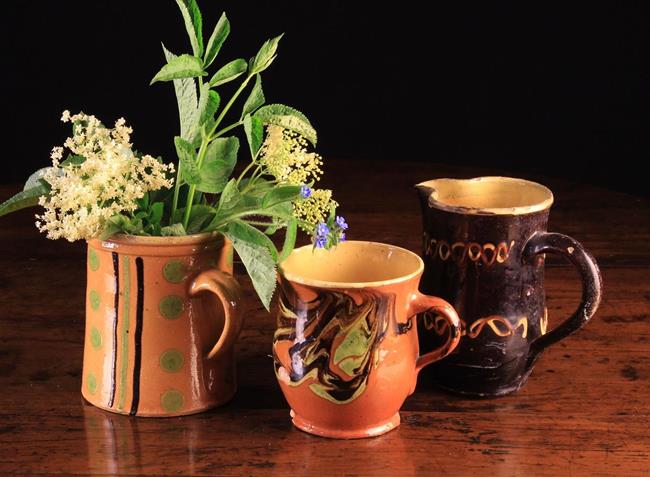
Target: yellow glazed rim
465, 195
364, 247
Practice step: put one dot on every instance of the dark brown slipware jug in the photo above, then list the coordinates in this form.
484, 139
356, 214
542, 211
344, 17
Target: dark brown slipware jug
485, 242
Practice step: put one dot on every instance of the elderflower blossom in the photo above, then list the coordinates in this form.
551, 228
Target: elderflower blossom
284, 156
84, 195
314, 209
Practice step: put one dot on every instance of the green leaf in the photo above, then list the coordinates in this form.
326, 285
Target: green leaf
283, 210
219, 35
208, 104
265, 56
187, 161
260, 186
230, 196
254, 197
258, 262
289, 240
254, 133
109, 231
255, 191
175, 230
120, 223
251, 234
143, 202
36, 178
72, 160
288, 118
25, 198
229, 72
218, 163
115, 224
193, 24
184, 66
200, 215
156, 212
281, 194
185, 90
255, 99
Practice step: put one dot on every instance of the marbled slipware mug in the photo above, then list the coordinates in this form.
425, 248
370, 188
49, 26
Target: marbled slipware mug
346, 349
485, 242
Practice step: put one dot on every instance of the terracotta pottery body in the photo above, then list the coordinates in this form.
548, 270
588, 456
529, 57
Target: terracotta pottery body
484, 246
162, 317
346, 348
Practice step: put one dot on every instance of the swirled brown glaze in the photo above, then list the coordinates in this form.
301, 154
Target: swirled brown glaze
334, 339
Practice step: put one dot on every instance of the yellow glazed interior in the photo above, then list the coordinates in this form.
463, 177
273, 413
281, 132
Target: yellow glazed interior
488, 195
351, 264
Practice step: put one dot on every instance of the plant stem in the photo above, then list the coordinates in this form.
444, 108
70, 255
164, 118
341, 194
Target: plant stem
257, 173
243, 213
259, 223
190, 194
301, 223
206, 141
177, 188
229, 105
243, 173
226, 129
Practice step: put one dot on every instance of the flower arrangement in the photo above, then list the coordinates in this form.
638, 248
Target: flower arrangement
105, 187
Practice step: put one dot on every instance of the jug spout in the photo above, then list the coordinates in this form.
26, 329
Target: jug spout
425, 189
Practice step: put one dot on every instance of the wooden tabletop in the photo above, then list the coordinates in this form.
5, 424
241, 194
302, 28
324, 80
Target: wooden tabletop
584, 411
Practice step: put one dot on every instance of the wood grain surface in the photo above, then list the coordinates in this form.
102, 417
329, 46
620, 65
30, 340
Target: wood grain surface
585, 410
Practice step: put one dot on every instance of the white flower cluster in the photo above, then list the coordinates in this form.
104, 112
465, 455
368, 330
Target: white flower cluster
284, 156
86, 194
314, 209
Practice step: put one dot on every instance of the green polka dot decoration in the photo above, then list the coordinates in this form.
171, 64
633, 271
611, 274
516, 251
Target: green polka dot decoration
95, 300
174, 271
91, 383
172, 400
93, 260
171, 360
171, 307
95, 338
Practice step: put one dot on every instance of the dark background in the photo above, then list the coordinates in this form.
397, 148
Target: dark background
557, 88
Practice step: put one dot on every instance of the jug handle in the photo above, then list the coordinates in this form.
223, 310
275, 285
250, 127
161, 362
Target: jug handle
228, 291
592, 285
421, 303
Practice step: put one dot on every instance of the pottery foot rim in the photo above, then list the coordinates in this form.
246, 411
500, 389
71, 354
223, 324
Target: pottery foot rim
334, 433
188, 412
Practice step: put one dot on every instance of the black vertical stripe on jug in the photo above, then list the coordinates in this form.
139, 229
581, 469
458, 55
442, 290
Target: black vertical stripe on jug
137, 362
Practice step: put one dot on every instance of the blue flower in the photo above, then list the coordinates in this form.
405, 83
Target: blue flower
321, 235
305, 192
342, 237
340, 221
322, 230
320, 242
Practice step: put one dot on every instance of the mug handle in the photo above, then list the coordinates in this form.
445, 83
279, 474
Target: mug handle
421, 303
226, 288
592, 285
